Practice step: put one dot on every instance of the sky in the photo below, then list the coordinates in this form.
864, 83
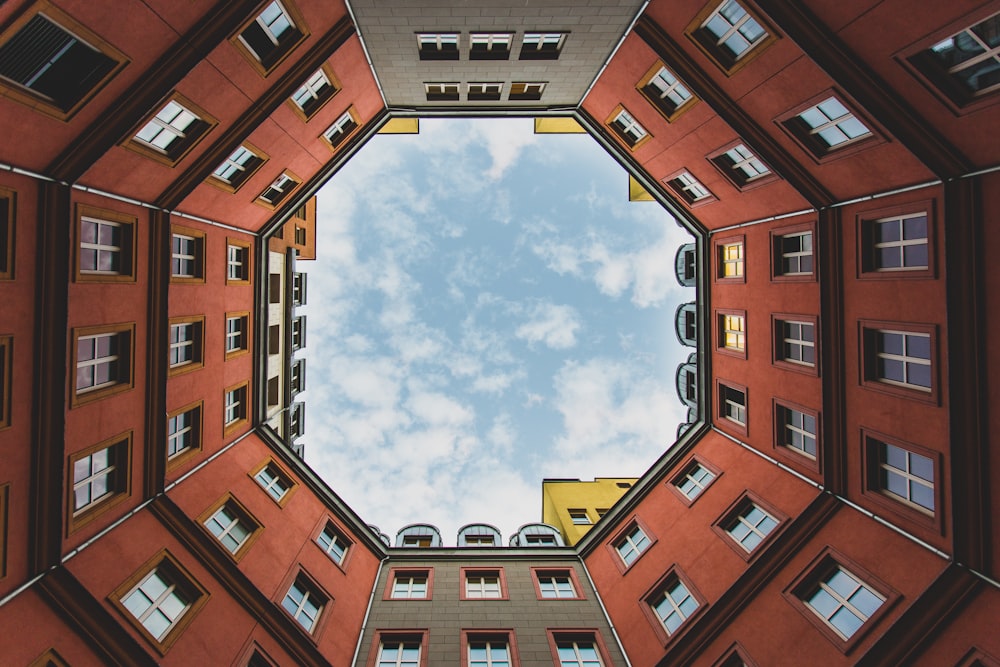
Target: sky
487, 309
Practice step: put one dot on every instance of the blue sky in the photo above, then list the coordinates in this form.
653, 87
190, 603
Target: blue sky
487, 309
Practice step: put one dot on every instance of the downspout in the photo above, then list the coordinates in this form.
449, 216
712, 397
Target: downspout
368, 611
614, 633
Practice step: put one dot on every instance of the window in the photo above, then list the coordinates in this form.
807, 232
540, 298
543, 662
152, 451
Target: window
235, 407
898, 359
237, 262
298, 376
903, 474
632, 544
8, 199
274, 288
627, 128
187, 262
299, 281
796, 430
393, 652
410, 586
490, 45
340, 130
792, 257
54, 64
232, 525
523, 91
578, 649
103, 360
273, 391
795, 342
694, 479
897, 246
542, 45
300, 235
733, 332
183, 433
298, 332
480, 92
666, 92
689, 188
488, 653
275, 482
187, 344
238, 167
271, 36
837, 600
966, 65
160, 600
733, 405
730, 259
741, 166
6, 379
825, 128
333, 543
314, 93
540, 541
106, 250
441, 92
438, 46
100, 477
173, 131
278, 190
560, 584
483, 584
237, 333
728, 34
579, 517
304, 602
673, 603
749, 524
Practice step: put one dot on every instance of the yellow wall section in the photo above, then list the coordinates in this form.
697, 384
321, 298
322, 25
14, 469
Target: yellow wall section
559, 496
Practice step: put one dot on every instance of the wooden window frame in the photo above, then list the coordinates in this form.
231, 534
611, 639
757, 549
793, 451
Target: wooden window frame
129, 225
344, 136
286, 195
464, 572
872, 490
77, 398
863, 224
198, 343
643, 87
244, 420
4, 521
299, 25
76, 519
619, 136
243, 514
182, 456
6, 380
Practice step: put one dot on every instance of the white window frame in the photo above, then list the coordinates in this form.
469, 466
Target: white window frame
183, 349
338, 131
236, 259
492, 40
737, 27
181, 432
670, 88
793, 421
789, 341
796, 256
733, 411
822, 586
905, 358
235, 335
298, 609
901, 243
674, 594
745, 161
487, 88
692, 187
97, 362
629, 128
225, 523
167, 123
695, 480
909, 478
233, 168
333, 543
184, 257
399, 659
838, 122
446, 88
490, 646
150, 603
407, 586
483, 586
266, 27
578, 659
116, 251
441, 41
278, 185
539, 40
632, 544
273, 482
94, 476
579, 517
312, 89
742, 524
988, 52
553, 586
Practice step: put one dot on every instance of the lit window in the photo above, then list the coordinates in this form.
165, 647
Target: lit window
731, 260
273, 481
732, 332
896, 243
901, 358
842, 601
270, 37
750, 526
796, 342
160, 600
793, 254
172, 131
796, 430
55, 65
100, 474
186, 344
483, 585
578, 653
304, 603
734, 404
728, 34
542, 45
280, 188
555, 584
184, 432
490, 46
103, 361
231, 526
398, 653
317, 89
579, 517
485, 652
666, 92
333, 543
627, 128
827, 126
106, 248
236, 334
905, 476
966, 65
673, 604
694, 480
632, 544
409, 586
441, 92
187, 260
341, 127
485, 91
438, 46
689, 188
521, 91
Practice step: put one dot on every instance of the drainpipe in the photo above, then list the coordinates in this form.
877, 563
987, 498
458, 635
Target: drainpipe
614, 633
364, 623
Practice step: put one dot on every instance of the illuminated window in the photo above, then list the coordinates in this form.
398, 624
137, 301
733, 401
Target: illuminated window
731, 260
732, 332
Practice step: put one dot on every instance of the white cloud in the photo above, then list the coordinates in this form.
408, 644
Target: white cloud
551, 324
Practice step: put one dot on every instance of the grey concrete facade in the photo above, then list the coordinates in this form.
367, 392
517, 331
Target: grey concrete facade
445, 616
591, 28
